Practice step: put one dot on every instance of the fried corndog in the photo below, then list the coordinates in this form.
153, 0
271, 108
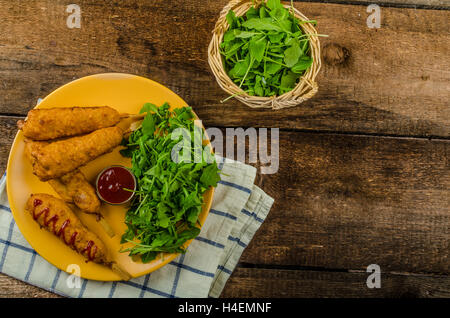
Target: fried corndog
52, 123
74, 188
56, 217
55, 159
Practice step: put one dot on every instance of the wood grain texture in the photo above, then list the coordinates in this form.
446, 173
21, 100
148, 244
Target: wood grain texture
342, 201
13, 288
275, 283
345, 202
8, 130
270, 283
392, 81
429, 4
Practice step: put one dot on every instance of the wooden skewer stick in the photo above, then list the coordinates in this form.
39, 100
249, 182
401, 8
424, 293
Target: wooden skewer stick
120, 271
106, 226
130, 121
98, 217
102, 221
133, 116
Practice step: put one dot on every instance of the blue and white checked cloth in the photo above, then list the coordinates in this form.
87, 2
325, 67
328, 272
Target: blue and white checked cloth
238, 209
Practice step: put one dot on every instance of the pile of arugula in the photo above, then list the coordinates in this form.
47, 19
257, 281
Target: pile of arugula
164, 212
265, 52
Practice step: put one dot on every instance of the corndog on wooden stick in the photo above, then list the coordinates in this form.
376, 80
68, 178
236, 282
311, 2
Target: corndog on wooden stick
74, 188
56, 217
55, 159
58, 122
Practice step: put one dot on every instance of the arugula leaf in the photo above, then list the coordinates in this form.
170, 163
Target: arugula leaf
148, 125
231, 19
256, 48
261, 24
262, 12
239, 69
252, 13
274, 4
244, 34
229, 36
258, 87
210, 176
272, 68
163, 219
275, 37
303, 64
288, 80
292, 54
149, 107
149, 256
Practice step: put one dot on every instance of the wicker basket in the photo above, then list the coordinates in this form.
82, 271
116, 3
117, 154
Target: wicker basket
304, 90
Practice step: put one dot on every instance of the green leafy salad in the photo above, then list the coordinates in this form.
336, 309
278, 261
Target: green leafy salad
164, 211
266, 51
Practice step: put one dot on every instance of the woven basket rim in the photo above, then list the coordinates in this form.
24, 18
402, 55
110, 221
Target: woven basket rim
305, 88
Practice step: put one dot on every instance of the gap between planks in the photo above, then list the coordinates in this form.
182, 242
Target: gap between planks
332, 270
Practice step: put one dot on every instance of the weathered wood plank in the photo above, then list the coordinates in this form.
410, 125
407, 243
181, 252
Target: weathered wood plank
350, 201
431, 4
8, 130
394, 80
275, 283
270, 283
13, 288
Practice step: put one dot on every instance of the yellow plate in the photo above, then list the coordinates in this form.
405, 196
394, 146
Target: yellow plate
127, 94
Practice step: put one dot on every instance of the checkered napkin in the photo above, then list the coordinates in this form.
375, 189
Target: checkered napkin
238, 209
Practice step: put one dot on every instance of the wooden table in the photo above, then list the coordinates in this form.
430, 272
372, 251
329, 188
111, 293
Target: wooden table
364, 173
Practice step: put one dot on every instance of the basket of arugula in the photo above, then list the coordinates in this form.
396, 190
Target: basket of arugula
265, 54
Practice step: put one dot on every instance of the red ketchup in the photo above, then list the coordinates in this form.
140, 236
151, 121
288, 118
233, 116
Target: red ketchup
112, 182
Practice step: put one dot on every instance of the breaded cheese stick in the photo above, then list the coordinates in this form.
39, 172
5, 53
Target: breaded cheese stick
52, 123
56, 217
54, 160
